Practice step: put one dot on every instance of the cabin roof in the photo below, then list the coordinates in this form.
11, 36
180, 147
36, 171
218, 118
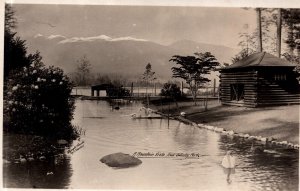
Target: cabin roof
260, 59
102, 86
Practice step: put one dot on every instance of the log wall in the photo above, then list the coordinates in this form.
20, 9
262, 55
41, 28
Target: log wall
260, 87
277, 92
248, 78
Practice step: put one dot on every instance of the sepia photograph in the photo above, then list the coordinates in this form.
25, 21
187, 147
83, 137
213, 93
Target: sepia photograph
157, 96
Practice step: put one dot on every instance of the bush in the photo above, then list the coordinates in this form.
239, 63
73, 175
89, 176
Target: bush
117, 92
37, 100
171, 90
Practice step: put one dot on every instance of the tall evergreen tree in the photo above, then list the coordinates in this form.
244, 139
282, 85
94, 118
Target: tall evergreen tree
291, 22
148, 76
15, 50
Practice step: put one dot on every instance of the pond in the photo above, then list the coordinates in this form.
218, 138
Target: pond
109, 131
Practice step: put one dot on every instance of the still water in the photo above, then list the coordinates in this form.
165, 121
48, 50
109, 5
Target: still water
109, 131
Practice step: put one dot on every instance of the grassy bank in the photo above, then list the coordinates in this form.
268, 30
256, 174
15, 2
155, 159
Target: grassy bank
280, 122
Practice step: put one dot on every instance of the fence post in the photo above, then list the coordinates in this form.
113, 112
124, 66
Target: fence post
182, 88
131, 89
214, 90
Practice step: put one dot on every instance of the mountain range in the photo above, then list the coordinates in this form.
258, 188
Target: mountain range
124, 55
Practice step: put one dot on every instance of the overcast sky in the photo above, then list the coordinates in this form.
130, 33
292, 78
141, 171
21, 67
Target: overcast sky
163, 25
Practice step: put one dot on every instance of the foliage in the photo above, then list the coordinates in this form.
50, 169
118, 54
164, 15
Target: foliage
10, 20
288, 20
171, 90
271, 41
295, 60
148, 75
37, 101
102, 79
82, 73
111, 78
193, 68
117, 92
292, 58
249, 40
291, 20
14, 48
242, 54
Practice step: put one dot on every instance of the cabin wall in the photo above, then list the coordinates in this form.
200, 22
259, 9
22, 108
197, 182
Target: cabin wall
247, 78
277, 87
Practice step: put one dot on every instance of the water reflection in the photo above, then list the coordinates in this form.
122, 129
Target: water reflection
273, 168
37, 174
109, 131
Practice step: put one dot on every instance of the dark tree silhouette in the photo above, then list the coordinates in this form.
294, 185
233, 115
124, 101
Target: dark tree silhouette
37, 99
15, 49
171, 90
291, 21
148, 76
193, 68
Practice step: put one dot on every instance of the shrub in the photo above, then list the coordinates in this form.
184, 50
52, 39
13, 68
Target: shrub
37, 100
171, 90
117, 92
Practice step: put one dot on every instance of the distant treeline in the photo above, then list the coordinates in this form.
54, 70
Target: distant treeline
115, 79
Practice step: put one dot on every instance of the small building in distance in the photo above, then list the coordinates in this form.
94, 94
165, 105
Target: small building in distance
101, 87
260, 79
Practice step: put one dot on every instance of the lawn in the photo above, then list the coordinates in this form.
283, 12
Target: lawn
279, 122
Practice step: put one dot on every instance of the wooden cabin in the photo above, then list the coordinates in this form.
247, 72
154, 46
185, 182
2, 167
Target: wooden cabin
260, 79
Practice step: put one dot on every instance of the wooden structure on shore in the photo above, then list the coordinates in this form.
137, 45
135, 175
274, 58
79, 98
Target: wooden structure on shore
98, 88
260, 79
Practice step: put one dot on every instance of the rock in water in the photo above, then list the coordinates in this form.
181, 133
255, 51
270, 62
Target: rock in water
120, 160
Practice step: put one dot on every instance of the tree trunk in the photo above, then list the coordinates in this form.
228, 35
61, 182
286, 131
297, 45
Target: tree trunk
290, 37
177, 106
147, 94
193, 94
279, 24
259, 35
298, 53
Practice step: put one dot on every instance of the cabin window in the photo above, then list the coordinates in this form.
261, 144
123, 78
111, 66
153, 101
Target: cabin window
279, 77
237, 92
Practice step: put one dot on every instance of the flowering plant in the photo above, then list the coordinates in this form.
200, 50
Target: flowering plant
37, 100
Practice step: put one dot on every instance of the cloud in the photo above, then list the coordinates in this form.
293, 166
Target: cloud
64, 39
101, 37
38, 35
128, 38
56, 36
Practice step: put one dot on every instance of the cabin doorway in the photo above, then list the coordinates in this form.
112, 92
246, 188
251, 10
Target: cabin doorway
237, 92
